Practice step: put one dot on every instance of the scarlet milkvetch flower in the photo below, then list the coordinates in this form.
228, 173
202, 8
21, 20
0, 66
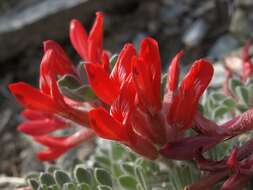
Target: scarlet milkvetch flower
107, 85
49, 98
90, 47
47, 110
145, 114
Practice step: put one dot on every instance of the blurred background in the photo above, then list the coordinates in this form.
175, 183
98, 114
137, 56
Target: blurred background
207, 28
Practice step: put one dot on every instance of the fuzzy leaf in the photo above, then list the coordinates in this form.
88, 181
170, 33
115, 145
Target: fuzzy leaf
220, 111
103, 177
230, 103
68, 81
61, 177
47, 179
128, 168
83, 175
128, 182
243, 94
34, 184
233, 83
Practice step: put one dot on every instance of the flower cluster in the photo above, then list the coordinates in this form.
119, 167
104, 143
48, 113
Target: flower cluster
130, 105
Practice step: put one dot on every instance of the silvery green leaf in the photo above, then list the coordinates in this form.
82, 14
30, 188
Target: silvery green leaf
61, 177
243, 94
47, 179
83, 175
103, 177
127, 182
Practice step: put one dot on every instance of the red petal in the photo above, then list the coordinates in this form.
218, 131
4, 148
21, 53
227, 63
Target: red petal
41, 127
50, 154
79, 38
124, 105
95, 39
35, 115
61, 64
123, 66
105, 126
174, 72
105, 88
105, 61
185, 103
51, 141
32, 98
147, 75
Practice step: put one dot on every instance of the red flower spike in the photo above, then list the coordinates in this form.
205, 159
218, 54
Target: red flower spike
105, 126
147, 75
174, 71
105, 88
184, 104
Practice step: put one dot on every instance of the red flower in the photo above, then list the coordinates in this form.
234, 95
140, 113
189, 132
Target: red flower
147, 75
49, 98
47, 110
184, 103
90, 47
136, 106
116, 124
107, 86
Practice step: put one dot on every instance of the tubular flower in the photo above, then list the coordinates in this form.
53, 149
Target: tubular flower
145, 113
47, 109
90, 47
107, 86
48, 98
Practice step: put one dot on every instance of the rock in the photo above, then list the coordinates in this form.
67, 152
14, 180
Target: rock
45, 19
195, 33
241, 23
8, 183
222, 46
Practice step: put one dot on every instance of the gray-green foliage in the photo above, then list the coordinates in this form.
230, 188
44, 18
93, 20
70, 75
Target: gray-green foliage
115, 167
